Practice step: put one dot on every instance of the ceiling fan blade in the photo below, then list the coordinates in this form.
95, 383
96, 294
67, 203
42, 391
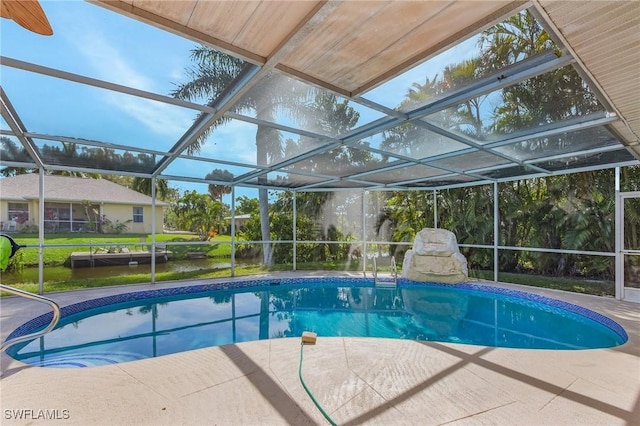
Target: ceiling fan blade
28, 14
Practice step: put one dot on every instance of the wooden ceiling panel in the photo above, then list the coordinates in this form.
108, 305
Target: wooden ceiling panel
431, 37
254, 27
356, 53
224, 20
271, 24
339, 27
605, 37
352, 47
177, 11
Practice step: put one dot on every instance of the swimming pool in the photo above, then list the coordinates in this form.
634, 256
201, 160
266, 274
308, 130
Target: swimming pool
153, 323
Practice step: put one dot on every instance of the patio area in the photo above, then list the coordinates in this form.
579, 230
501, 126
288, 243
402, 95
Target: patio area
356, 380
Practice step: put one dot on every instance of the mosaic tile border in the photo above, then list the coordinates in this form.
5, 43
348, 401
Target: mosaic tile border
42, 320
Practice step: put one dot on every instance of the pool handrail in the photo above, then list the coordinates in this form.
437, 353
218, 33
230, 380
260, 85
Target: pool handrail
394, 274
54, 320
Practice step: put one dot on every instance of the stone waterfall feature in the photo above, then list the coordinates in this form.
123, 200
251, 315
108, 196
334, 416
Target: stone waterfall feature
435, 257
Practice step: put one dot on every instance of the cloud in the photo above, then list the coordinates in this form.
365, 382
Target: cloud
99, 56
162, 119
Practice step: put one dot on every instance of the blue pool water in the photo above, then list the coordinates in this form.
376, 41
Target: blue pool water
153, 323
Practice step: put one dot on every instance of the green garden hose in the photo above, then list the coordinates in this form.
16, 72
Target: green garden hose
304, 385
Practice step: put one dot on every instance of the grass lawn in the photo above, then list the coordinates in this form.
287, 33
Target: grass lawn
54, 256
575, 285
58, 278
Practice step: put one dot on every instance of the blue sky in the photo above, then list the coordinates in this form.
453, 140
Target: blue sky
95, 42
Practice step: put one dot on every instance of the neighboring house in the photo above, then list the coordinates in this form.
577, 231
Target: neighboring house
75, 205
241, 222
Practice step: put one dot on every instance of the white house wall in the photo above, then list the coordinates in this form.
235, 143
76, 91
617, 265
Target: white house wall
123, 213
114, 212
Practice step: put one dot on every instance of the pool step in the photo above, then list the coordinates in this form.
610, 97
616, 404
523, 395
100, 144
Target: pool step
91, 359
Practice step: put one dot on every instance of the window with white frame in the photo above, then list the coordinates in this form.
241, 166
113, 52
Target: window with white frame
138, 216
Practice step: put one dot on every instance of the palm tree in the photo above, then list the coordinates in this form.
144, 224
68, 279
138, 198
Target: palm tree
218, 191
541, 99
11, 151
143, 185
211, 75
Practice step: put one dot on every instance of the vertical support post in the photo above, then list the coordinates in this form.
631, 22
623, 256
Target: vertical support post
295, 228
496, 231
153, 230
41, 231
364, 232
233, 234
101, 216
619, 224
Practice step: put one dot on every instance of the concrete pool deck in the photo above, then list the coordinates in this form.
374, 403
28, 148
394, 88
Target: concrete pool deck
356, 380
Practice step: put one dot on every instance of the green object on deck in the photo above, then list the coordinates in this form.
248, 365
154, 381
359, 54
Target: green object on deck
8, 247
6, 250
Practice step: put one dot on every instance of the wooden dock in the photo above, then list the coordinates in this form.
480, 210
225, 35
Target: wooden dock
85, 258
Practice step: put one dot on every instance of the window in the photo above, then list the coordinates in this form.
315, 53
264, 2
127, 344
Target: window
138, 216
18, 212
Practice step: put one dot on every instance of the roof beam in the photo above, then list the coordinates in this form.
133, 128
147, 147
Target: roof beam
247, 78
580, 123
513, 74
17, 127
88, 142
275, 167
76, 78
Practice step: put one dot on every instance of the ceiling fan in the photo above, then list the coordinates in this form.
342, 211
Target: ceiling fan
27, 13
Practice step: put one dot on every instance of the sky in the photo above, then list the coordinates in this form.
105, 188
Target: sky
92, 41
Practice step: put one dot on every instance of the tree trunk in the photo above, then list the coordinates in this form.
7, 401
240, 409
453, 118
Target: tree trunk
263, 197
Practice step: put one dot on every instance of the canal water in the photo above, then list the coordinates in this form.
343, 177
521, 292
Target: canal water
61, 273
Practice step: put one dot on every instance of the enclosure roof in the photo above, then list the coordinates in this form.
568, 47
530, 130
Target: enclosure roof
372, 54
